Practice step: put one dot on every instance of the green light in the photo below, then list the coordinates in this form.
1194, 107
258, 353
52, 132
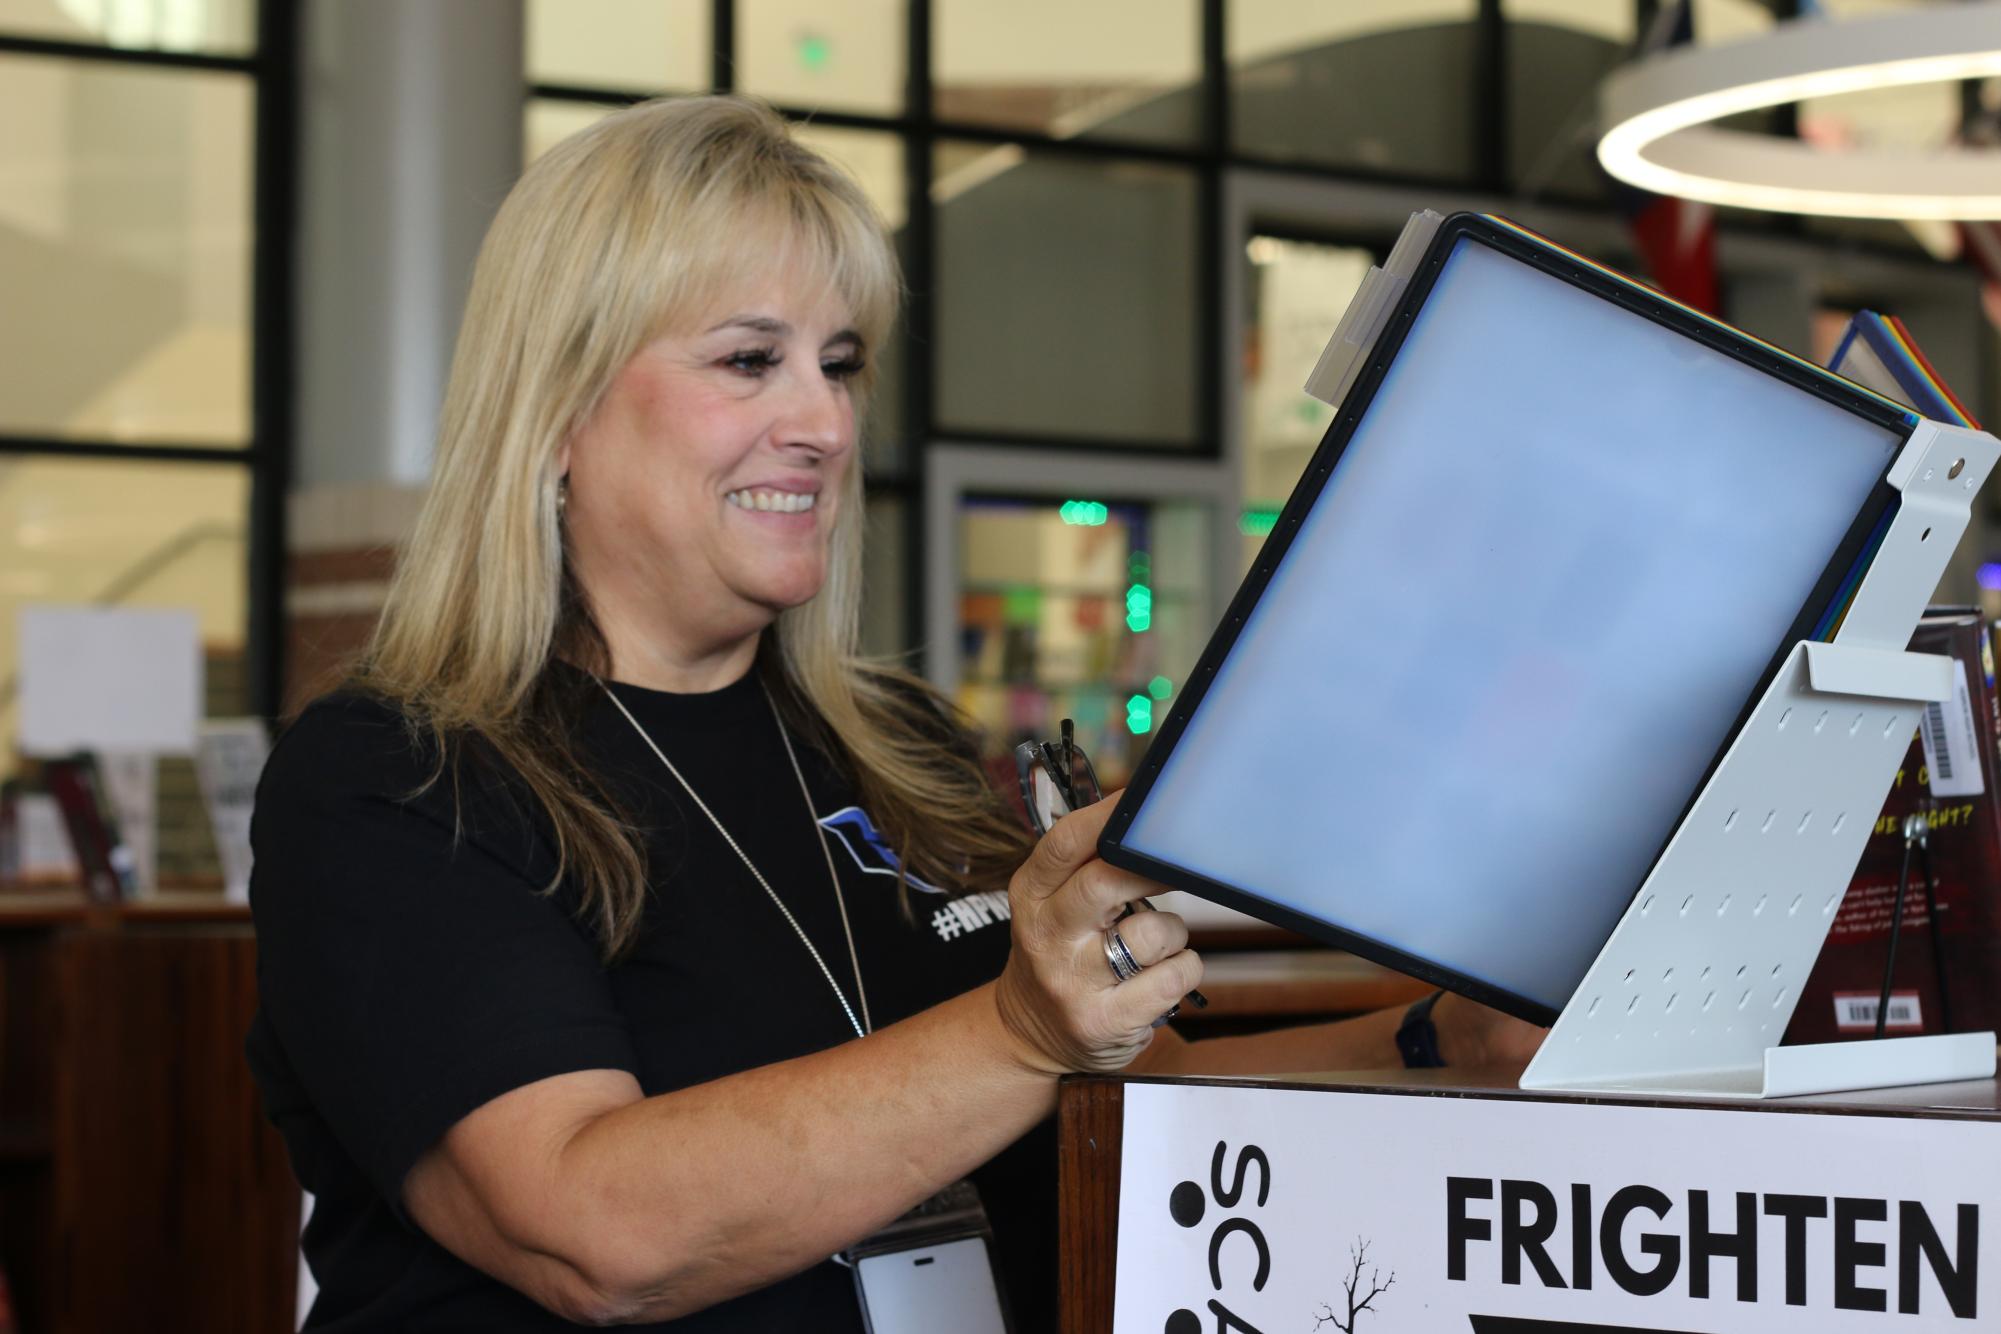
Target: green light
1160, 687
1139, 714
815, 51
1139, 565
1021, 605
1084, 513
1257, 521
1139, 608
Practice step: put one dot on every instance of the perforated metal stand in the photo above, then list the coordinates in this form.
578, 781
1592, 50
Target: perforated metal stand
1693, 991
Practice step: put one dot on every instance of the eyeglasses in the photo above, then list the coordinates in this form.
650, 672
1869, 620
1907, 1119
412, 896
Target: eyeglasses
1056, 779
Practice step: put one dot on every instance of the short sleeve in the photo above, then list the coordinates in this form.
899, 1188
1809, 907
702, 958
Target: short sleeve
408, 973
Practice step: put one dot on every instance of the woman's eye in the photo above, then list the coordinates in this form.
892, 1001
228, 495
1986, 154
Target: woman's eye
845, 369
755, 362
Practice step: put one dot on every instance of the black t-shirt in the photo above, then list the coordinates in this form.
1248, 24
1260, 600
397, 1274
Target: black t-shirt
409, 971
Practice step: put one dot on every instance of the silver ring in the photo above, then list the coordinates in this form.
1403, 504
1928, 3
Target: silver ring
1124, 966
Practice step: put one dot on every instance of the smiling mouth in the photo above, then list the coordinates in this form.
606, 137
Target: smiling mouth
776, 502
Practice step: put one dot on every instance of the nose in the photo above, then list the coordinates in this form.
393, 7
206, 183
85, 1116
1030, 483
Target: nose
817, 417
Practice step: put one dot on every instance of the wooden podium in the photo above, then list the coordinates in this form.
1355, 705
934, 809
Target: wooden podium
1470, 1206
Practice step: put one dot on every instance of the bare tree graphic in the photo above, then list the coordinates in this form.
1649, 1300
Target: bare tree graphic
1358, 1256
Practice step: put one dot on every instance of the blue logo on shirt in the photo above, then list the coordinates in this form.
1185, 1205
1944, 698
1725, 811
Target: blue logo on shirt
858, 834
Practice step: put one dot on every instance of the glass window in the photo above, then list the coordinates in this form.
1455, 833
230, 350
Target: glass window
1067, 297
214, 27
81, 532
1085, 609
549, 121
1115, 69
872, 157
1298, 291
642, 46
1730, 20
1558, 52
125, 238
812, 55
1383, 84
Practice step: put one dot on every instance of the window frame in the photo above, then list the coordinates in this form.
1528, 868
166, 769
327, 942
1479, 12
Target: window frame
271, 68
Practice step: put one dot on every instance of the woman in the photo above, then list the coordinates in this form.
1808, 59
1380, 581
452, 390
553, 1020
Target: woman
570, 904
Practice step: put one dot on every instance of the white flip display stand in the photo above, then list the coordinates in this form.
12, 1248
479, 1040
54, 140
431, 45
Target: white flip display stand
1693, 990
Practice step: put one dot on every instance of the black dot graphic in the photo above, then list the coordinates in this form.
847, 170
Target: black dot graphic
1186, 1204
1184, 1321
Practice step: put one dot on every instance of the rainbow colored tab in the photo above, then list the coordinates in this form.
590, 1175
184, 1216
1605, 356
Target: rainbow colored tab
1905, 363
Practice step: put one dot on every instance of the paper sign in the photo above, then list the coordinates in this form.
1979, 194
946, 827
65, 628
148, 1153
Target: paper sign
45, 852
1265, 1210
227, 766
109, 679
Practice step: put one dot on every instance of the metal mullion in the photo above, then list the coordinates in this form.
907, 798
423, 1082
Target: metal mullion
114, 55
276, 151
1359, 175
908, 124
1786, 116
1075, 147
1490, 98
27, 446
577, 92
722, 44
1215, 81
920, 263
1199, 450
1209, 313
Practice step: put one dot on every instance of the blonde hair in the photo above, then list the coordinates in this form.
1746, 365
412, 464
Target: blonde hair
629, 229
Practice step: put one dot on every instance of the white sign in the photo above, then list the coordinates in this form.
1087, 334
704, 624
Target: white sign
1267, 1210
109, 678
228, 765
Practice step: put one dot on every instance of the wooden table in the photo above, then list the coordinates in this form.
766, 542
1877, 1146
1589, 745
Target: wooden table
140, 1186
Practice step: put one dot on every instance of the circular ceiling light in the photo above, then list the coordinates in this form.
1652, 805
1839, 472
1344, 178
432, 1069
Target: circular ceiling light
1660, 110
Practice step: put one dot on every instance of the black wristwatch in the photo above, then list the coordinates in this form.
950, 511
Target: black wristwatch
1417, 1038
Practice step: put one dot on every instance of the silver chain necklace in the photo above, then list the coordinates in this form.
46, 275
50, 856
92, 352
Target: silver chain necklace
863, 1025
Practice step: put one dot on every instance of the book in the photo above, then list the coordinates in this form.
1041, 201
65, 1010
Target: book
1878, 352
1948, 965
103, 860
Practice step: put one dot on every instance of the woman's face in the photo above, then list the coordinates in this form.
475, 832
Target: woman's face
704, 489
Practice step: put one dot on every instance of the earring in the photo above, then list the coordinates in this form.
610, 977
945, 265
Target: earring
562, 494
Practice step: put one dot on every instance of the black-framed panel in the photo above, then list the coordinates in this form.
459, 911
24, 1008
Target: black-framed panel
1810, 621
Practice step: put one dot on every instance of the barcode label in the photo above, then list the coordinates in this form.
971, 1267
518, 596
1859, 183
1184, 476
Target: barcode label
1857, 1010
1952, 754
1935, 731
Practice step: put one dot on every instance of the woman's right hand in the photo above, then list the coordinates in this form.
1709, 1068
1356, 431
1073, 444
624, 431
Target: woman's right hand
1058, 997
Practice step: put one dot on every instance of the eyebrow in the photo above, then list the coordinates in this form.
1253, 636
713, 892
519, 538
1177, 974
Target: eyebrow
777, 328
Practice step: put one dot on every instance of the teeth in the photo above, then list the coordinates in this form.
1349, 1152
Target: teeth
779, 502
